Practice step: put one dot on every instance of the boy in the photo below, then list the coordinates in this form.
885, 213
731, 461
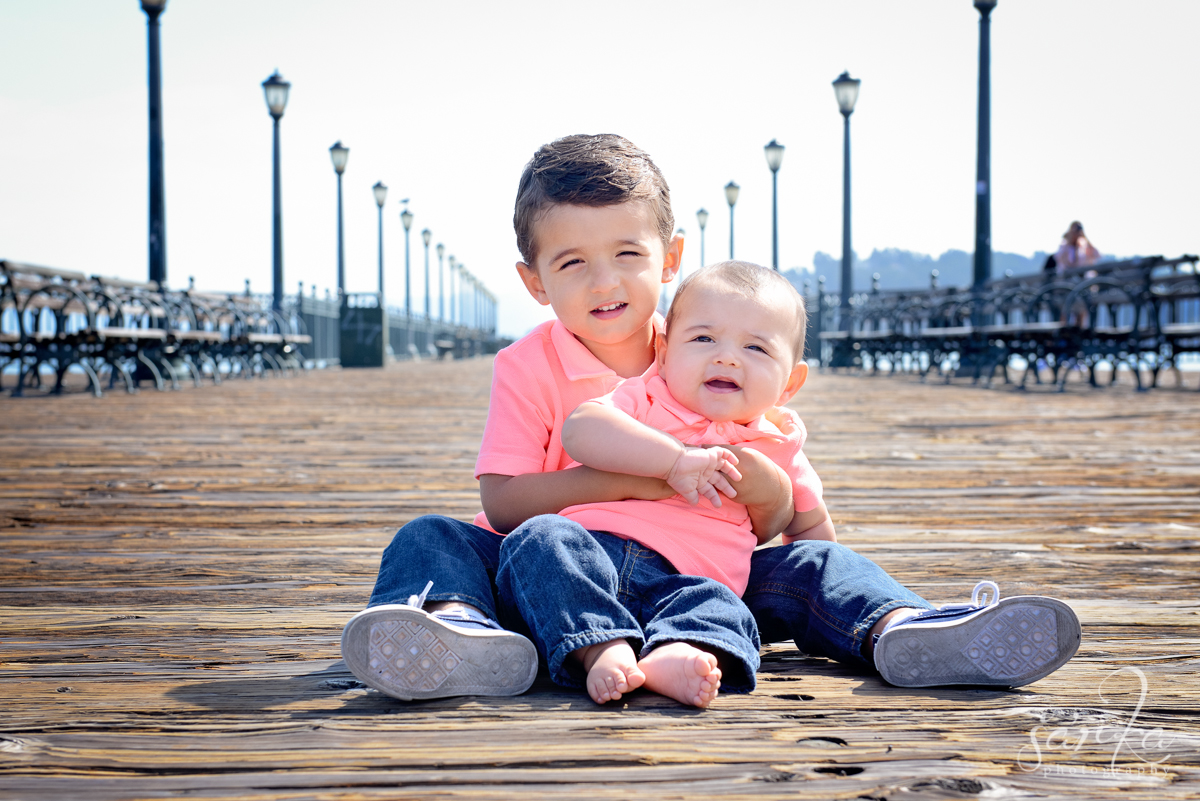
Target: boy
731, 355
594, 227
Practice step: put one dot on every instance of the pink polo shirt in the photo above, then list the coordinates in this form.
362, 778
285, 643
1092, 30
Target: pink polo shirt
536, 383
700, 540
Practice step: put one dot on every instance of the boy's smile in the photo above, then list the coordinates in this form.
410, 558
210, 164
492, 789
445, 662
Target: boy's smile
601, 268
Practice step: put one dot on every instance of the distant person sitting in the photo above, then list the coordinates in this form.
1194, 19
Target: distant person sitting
1075, 251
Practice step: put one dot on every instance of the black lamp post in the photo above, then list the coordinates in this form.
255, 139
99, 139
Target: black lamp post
846, 89
426, 236
774, 153
702, 218
275, 89
339, 154
454, 318
983, 162
380, 197
463, 278
441, 251
158, 207
731, 196
406, 218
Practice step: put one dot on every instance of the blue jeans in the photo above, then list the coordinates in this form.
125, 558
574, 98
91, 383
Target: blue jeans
576, 588
822, 595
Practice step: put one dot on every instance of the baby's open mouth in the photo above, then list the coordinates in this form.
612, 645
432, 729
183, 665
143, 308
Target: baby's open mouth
722, 385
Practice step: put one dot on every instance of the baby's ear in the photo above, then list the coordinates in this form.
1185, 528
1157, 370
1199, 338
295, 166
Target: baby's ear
660, 351
533, 282
795, 381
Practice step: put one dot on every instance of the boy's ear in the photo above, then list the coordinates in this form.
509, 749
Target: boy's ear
672, 259
533, 282
795, 381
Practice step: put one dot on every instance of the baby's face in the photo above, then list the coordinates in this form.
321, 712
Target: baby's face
728, 356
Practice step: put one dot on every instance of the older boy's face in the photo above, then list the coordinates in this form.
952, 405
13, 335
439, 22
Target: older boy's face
728, 356
601, 269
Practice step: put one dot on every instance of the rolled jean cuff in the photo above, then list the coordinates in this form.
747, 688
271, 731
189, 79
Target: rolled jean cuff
747, 660
863, 631
557, 659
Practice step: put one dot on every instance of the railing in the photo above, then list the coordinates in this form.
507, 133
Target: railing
110, 329
1142, 313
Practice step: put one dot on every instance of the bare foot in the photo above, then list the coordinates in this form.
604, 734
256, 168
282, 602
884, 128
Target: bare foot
683, 672
612, 669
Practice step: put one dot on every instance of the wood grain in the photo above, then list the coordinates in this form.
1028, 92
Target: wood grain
176, 567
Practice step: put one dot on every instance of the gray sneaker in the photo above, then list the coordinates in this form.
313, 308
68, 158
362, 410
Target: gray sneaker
996, 643
401, 650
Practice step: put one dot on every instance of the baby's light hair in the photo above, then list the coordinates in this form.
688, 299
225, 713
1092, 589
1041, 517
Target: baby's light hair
748, 279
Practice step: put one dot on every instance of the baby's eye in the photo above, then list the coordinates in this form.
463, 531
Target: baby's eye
758, 348
702, 338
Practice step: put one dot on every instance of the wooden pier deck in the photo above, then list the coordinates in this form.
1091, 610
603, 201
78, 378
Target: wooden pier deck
175, 570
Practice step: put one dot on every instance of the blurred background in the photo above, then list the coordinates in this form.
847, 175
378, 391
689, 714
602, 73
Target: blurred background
1094, 117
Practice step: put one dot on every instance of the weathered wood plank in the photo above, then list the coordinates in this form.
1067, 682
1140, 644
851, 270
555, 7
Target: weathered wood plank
175, 569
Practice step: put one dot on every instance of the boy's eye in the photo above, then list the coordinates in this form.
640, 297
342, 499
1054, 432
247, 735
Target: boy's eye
567, 264
629, 253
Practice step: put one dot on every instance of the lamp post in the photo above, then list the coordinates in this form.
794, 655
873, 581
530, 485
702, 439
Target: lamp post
702, 218
406, 218
846, 90
441, 251
426, 236
454, 318
731, 195
463, 278
339, 153
774, 153
158, 212
983, 161
275, 89
380, 197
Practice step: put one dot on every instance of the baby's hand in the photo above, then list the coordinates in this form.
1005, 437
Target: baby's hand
703, 471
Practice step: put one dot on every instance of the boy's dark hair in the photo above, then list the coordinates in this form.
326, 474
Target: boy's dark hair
588, 170
749, 279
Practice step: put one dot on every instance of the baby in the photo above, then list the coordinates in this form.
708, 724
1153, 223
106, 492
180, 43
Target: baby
730, 357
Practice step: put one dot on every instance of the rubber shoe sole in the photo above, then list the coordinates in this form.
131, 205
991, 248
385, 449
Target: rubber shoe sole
408, 654
1017, 641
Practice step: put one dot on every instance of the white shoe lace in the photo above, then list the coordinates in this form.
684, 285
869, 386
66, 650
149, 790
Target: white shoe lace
980, 597
419, 600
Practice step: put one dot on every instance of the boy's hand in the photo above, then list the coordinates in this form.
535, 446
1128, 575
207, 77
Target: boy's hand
767, 492
760, 479
703, 471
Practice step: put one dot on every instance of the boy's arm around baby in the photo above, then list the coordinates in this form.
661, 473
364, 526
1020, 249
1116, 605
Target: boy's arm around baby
607, 438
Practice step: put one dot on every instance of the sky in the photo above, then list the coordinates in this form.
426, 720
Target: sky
1094, 117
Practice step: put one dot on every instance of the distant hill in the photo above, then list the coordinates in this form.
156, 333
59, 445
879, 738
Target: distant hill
904, 269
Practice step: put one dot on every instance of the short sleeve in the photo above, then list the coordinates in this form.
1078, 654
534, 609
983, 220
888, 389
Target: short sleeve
806, 484
520, 418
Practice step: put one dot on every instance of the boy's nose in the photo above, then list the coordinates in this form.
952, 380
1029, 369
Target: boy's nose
603, 277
